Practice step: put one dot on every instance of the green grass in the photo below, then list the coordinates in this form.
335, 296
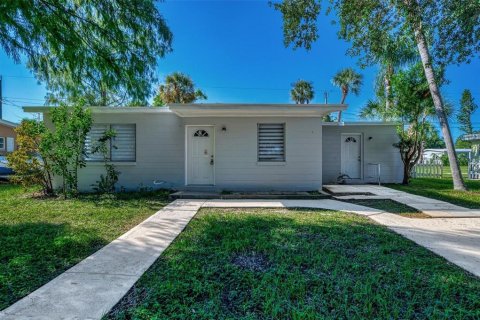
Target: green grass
442, 189
297, 264
41, 238
447, 173
390, 206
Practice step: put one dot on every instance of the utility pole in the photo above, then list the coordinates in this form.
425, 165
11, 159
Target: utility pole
325, 95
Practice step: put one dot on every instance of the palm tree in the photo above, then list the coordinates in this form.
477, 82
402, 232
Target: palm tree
302, 92
178, 88
348, 80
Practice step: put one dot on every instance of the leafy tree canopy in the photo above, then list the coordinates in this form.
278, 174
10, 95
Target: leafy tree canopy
89, 48
372, 26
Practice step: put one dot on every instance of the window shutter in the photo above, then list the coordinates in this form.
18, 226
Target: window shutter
123, 144
271, 142
91, 142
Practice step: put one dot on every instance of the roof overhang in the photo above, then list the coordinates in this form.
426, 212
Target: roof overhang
108, 110
254, 110
8, 123
471, 137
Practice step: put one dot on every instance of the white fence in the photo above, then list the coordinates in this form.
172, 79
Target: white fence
474, 170
427, 171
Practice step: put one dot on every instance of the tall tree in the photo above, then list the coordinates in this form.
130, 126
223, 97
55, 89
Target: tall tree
87, 48
178, 88
413, 108
444, 32
467, 108
348, 80
302, 92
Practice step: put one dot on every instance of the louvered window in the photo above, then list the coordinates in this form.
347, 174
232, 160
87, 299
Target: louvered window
271, 142
120, 148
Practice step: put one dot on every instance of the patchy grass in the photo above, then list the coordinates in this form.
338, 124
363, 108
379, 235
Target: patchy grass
297, 264
442, 189
41, 238
390, 206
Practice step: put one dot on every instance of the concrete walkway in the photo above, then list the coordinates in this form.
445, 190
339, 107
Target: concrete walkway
431, 207
92, 287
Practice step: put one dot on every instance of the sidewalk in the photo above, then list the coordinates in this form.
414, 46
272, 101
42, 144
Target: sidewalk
431, 207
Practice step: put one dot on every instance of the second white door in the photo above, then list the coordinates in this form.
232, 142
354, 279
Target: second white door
351, 155
200, 155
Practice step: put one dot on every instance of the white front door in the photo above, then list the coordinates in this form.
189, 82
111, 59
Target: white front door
351, 155
200, 157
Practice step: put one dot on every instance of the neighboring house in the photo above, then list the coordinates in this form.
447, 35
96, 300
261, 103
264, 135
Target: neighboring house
7, 137
474, 163
267, 147
434, 156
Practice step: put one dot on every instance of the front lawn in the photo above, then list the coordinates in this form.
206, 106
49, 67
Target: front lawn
41, 238
442, 189
297, 264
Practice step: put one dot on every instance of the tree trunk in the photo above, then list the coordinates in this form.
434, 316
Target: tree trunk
458, 183
388, 88
406, 173
339, 117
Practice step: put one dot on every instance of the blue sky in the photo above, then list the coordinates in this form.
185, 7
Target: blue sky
234, 52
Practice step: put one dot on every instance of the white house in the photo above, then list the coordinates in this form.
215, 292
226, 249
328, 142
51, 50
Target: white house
282, 147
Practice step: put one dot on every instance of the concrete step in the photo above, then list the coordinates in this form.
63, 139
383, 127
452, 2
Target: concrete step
249, 195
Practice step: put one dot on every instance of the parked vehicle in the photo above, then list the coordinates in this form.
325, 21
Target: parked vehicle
4, 169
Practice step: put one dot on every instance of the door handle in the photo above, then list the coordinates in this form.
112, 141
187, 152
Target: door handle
211, 160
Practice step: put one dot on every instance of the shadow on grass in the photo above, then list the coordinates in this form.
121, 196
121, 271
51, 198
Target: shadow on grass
31, 254
316, 264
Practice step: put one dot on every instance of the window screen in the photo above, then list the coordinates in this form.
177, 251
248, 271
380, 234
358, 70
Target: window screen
271, 142
120, 148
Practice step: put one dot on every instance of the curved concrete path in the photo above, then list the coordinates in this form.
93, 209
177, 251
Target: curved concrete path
92, 287
432, 207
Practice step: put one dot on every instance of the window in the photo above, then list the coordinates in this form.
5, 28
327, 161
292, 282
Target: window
200, 133
2, 143
121, 147
271, 142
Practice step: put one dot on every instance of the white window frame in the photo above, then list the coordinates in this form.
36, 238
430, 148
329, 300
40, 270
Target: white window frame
3, 143
109, 127
259, 160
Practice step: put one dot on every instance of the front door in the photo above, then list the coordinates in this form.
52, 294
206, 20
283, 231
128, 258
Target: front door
200, 157
351, 155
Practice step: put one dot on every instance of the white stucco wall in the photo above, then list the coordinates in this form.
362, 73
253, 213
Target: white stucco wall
236, 166
160, 153
378, 149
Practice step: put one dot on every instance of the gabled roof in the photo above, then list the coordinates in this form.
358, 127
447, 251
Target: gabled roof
8, 123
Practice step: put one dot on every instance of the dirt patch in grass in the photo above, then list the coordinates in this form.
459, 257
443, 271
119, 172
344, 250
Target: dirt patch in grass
252, 261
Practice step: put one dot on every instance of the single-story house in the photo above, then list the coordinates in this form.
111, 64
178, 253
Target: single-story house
7, 136
235, 147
